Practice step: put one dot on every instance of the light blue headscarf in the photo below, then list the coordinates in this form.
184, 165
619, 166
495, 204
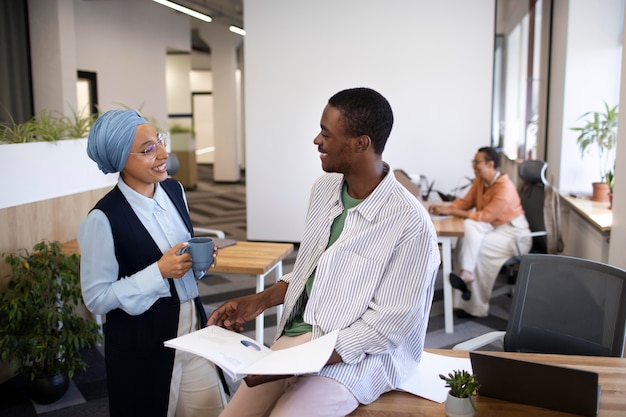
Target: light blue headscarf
111, 138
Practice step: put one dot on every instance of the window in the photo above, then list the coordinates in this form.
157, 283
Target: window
87, 93
516, 108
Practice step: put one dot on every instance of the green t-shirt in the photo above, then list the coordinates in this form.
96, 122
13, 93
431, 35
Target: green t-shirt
298, 326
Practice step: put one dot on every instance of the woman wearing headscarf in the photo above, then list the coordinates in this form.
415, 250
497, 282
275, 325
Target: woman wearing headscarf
132, 270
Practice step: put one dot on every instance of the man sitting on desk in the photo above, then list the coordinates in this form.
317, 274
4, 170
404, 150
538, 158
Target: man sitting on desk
366, 267
491, 232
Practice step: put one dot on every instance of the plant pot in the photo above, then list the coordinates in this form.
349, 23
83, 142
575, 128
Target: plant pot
459, 407
48, 389
600, 192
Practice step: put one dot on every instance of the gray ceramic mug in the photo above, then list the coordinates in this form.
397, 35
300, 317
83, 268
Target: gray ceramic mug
201, 251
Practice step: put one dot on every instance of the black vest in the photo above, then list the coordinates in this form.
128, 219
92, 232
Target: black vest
139, 367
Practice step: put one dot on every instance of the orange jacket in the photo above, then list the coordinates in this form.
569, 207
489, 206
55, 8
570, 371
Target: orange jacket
496, 204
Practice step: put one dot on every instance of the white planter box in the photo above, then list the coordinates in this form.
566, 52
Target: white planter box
37, 171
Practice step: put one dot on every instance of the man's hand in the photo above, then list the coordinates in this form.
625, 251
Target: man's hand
440, 209
234, 313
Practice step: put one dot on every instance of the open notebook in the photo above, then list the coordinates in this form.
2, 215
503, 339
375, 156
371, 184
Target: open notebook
549, 386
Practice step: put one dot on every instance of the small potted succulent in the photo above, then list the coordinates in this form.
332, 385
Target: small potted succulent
463, 388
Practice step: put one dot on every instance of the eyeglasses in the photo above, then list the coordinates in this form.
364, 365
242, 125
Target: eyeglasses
476, 162
151, 150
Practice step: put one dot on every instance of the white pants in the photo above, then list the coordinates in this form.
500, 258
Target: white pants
301, 396
196, 389
483, 250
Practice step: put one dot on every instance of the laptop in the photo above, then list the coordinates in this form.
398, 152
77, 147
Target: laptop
549, 386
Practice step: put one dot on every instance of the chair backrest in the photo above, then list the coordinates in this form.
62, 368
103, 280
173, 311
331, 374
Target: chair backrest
532, 195
567, 305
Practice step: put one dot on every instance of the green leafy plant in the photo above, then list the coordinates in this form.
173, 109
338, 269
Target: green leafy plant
454, 193
153, 121
462, 384
12, 132
177, 128
610, 179
41, 331
425, 187
599, 133
77, 125
46, 126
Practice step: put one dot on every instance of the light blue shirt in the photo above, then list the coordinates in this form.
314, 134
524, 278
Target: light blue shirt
102, 291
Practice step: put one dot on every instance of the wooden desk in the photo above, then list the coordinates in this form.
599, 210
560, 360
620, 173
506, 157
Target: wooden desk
253, 258
612, 377
448, 230
598, 214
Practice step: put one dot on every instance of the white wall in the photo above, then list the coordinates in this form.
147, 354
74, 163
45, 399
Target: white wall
618, 229
123, 42
432, 60
126, 43
226, 123
585, 71
178, 85
203, 115
53, 56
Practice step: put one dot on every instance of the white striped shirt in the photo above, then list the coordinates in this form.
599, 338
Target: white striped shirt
375, 283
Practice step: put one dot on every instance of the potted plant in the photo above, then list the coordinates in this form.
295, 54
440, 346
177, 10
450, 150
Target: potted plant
599, 134
425, 187
454, 193
463, 388
183, 144
46, 127
42, 334
53, 142
610, 180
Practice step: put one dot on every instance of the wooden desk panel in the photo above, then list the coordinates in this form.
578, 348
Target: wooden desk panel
70, 247
612, 377
446, 226
449, 227
252, 258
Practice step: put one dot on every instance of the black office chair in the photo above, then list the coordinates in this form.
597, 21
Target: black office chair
563, 305
532, 173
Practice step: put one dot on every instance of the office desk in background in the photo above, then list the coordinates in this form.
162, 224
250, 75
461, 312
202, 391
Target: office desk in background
612, 377
449, 229
249, 258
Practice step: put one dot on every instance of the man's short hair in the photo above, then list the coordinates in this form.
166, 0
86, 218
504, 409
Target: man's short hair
365, 112
491, 154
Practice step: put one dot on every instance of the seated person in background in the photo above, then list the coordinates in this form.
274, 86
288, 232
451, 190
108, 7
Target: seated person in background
366, 267
491, 232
